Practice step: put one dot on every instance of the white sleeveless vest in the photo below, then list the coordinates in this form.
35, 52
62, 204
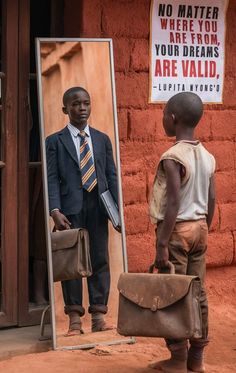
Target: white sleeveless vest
199, 166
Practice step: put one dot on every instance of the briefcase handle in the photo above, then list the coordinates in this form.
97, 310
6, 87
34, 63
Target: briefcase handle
170, 266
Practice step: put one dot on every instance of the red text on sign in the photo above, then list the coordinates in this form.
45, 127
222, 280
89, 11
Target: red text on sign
199, 69
166, 68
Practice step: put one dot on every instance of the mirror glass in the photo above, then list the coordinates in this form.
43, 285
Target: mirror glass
61, 65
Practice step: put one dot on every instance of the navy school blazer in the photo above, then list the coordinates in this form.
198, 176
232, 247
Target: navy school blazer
63, 170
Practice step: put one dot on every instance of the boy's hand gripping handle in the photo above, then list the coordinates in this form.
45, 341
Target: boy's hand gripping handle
170, 266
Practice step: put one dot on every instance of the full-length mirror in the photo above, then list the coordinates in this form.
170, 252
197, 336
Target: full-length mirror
80, 153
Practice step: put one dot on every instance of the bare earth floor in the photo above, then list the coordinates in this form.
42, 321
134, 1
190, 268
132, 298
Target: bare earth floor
220, 354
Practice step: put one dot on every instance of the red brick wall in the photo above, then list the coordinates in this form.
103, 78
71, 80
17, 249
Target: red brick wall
142, 138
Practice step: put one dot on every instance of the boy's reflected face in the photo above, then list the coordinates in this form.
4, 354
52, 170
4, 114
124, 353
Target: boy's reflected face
168, 122
78, 108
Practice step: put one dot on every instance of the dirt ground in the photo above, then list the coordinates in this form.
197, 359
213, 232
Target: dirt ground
220, 354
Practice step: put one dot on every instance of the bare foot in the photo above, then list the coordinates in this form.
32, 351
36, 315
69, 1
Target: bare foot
169, 366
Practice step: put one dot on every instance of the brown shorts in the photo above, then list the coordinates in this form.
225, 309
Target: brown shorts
187, 249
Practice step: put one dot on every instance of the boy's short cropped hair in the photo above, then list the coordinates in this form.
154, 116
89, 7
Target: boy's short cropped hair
67, 94
187, 107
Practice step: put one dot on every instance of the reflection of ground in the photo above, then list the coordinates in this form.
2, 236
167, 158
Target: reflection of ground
88, 339
220, 355
62, 324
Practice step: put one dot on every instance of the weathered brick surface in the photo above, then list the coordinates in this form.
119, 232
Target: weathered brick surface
126, 18
142, 139
227, 216
229, 91
146, 153
223, 124
132, 153
139, 53
135, 188
230, 39
231, 24
132, 167
138, 158
234, 236
220, 249
141, 252
132, 90
122, 124
224, 153
136, 218
230, 51
146, 125
122, 51
92, 18
225, 187
203, 129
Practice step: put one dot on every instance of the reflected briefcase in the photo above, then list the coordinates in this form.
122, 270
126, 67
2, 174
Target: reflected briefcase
70, 254
159, 305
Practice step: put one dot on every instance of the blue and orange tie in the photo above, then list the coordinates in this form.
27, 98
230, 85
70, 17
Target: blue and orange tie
88, 173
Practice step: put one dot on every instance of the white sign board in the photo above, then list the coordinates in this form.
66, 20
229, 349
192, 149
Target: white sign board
187, 49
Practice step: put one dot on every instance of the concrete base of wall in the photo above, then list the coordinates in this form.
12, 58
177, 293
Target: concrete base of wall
21, 341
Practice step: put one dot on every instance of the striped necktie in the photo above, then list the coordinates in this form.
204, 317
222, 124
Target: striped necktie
88, 173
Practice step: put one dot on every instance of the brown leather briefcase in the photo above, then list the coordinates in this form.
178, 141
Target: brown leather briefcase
70, 254
159, 305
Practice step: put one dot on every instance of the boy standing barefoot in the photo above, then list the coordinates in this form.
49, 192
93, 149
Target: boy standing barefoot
182, 206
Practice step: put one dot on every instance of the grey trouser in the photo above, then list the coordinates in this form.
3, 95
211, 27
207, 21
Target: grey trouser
187, 248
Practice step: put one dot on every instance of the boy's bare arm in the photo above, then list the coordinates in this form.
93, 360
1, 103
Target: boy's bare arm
211, 201
173, 178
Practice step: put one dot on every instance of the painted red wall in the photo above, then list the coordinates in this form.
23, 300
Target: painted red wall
142, 138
